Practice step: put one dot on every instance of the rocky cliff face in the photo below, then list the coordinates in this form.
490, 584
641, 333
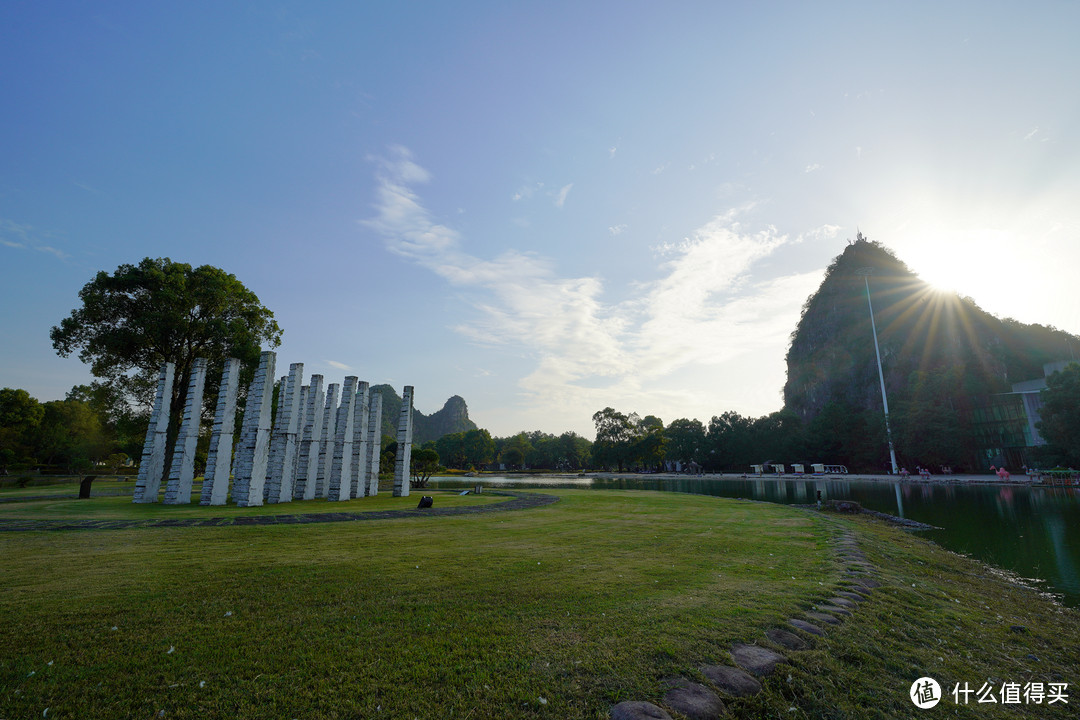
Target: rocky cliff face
831, 357
452, 418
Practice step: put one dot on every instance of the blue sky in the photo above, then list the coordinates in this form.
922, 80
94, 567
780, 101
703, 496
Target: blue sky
547, 208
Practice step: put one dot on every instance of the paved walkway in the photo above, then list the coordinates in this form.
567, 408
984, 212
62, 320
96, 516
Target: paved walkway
517, 501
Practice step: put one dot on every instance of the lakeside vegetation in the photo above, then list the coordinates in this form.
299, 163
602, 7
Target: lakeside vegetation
559, 611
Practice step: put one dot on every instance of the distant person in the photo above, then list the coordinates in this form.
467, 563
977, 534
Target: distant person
1003, 474
904, 472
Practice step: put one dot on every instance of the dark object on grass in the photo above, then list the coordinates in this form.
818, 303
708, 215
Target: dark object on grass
84, 486
425, 502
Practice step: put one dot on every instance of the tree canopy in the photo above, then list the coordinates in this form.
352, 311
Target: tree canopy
138, 318
141, 316
1060, 423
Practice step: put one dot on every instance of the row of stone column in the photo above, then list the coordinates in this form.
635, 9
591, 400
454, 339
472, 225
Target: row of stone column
318, 447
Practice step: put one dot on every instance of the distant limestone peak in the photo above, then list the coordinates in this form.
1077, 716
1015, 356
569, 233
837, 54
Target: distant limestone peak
831, 358
452, 418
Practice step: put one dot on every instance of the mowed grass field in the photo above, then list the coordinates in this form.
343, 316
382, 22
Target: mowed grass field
554, 612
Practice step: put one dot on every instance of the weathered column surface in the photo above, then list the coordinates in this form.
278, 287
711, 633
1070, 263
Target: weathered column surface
358, 469
374, 446
253, 450
326, 452
403, 458
152, 464
182, 472
215, 488
275, 420
340, 469
283, 448
301, 415
308, 463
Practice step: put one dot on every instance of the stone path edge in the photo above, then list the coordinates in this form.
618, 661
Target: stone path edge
517, 501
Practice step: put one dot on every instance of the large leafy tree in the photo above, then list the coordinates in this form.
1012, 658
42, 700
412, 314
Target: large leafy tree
20, 416
71, 434
478, 447
141, 316
615, 433
1060, 415
685, 441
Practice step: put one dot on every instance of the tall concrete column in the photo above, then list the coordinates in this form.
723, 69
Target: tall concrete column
152, 464
182, 472
326, 452
301, 416
275, 419
215, 488
340, 470
308, 463
283, 448
358, 470
403, 460
253, 450
374, 445
301, 408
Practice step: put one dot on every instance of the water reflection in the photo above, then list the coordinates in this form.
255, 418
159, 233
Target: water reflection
1034, 532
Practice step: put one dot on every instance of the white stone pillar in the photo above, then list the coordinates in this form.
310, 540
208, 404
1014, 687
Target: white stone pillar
308, 463
275, 419
374, 446
253, 450
326, 452
403, 458
215, 487
283, 448
182, 472
301, 416
340, 469
358, 470
152, 464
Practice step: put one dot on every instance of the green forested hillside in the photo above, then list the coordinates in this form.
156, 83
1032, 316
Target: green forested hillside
938, 351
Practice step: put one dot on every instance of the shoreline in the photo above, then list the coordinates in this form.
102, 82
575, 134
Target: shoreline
987, 479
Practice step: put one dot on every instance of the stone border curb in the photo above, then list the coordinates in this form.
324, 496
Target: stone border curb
518, 501
753, 663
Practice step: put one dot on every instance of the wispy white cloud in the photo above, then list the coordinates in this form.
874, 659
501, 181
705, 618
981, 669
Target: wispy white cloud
26, 237
823, 232
526, 191
611, 151
812, 168
560, 197
1031, 135
706, 307
617, 230
338, 365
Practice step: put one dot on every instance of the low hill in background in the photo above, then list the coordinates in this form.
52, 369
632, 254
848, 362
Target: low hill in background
452, 418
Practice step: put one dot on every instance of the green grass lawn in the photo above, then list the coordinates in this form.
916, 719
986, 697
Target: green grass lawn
67, 486
555, 612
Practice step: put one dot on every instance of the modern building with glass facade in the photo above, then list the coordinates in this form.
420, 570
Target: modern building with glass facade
1004, 424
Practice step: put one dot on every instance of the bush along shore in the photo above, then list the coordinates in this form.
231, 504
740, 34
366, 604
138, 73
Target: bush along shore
602, 604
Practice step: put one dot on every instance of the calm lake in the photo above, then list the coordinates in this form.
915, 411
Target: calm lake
1033, 532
